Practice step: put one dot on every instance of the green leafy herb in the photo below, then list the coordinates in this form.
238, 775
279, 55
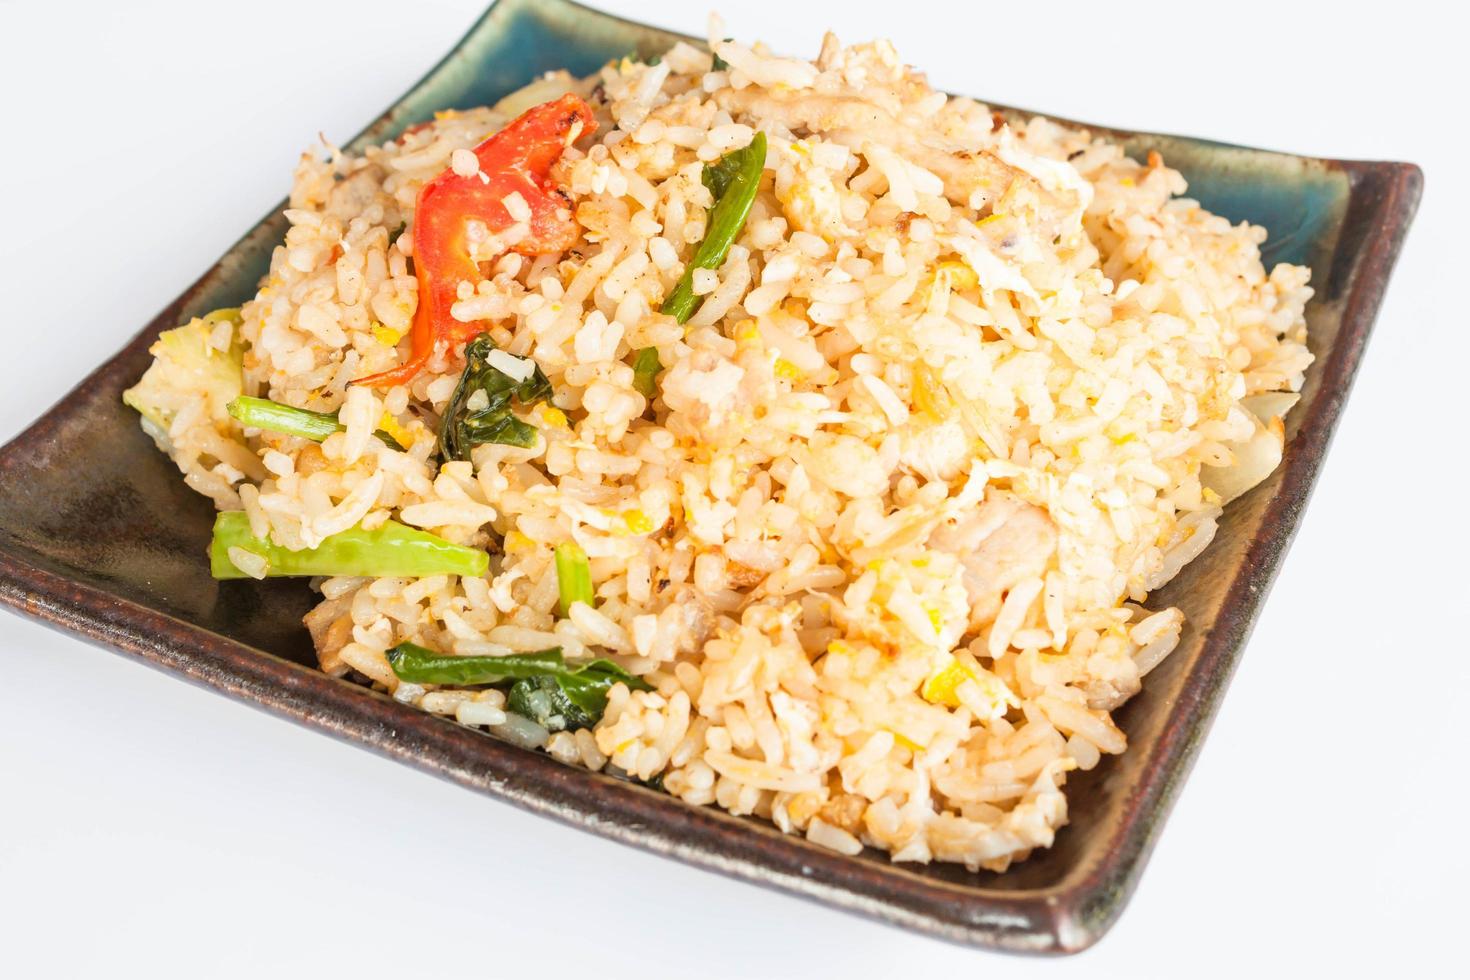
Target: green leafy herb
419, 665
717, 176
546, 688
573, 576
391, 549
544, 701
464, 427
734, 181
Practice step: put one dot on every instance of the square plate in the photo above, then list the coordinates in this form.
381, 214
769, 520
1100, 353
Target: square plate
115, 552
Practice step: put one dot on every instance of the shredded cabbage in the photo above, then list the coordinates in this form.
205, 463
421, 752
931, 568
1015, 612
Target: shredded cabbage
186, 363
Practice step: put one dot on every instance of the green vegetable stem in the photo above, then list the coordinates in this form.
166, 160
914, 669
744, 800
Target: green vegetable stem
545, 687
392, 549
262, 413
733, 181
573, 576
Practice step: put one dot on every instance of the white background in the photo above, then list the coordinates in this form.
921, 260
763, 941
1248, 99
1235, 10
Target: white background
149, 828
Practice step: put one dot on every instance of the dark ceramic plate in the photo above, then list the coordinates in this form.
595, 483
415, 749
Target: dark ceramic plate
114, 551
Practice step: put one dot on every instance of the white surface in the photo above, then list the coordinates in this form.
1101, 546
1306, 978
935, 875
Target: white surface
150, 828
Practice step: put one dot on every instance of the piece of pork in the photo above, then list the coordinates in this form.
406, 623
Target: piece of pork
1002, 543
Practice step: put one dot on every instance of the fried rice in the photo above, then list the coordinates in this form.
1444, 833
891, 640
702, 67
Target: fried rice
880, 544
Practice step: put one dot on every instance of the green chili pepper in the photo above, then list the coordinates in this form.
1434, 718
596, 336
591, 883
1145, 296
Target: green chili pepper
390, 550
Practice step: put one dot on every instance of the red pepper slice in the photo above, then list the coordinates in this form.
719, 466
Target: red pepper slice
516, 159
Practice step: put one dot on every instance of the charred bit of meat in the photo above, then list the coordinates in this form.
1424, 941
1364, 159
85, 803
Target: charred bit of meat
330, 626
845, 811
743, 576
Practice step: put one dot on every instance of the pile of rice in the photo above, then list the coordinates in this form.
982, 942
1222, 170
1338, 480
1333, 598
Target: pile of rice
962, 395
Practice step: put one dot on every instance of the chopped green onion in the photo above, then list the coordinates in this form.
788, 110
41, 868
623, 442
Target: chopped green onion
392, 549
735, 180
645, 372
573, 576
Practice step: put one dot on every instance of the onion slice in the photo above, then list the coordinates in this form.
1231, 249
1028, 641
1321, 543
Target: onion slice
1257, 456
